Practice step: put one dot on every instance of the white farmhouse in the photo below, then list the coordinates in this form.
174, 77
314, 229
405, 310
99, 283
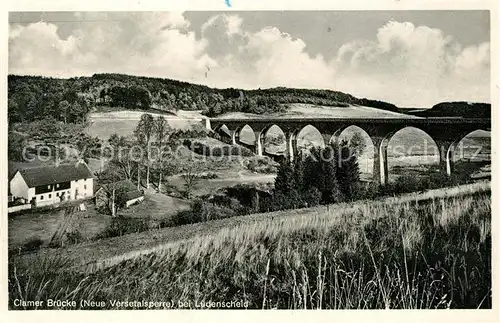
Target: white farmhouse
53, 184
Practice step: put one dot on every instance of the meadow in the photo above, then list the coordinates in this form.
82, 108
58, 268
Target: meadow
428, 250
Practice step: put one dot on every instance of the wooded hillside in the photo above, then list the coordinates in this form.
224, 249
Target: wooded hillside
70, 100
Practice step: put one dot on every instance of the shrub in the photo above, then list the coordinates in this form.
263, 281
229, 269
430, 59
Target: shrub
74, 237
209, 175
33, 244
263, 165
202, 211
312, 197
410, 183
124, 225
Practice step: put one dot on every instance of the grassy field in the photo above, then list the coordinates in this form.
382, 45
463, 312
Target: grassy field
104, 124
89, 223
43, 224
430, 250
301, 110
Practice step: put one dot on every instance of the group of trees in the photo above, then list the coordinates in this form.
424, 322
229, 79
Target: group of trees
33, 98
258, 104
323, 176
146, 148
69, 100
132, 97
151, 148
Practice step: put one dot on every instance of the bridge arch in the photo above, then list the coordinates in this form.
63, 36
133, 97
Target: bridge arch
245, 135
222, 130
472, 153
365, 144
408, 149
474, 143
273, 140
309, 136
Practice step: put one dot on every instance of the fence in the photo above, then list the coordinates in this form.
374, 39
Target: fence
17, 208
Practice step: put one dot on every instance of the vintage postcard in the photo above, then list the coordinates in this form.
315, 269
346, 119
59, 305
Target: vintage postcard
236, 157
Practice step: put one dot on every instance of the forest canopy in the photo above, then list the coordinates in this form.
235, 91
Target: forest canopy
70, 100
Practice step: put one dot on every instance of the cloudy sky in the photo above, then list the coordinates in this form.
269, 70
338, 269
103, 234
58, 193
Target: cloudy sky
409, 58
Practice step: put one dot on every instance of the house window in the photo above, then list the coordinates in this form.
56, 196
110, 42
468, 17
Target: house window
84, 187
57, 194
41, 197
57, 185
50, 196
48, 187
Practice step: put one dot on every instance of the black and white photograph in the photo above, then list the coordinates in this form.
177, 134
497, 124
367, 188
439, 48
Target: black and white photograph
249, 159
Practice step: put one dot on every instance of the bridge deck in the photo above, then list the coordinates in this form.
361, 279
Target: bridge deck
430, 120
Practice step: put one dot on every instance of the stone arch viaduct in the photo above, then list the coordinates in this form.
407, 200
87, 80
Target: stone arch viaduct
446, 132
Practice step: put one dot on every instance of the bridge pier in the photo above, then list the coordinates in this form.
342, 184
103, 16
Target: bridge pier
259, 143
327, 138
206, 122
291, 145
235, 136
380, 166
446, 149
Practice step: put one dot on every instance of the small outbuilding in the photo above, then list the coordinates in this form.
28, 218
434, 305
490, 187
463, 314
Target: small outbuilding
131, 194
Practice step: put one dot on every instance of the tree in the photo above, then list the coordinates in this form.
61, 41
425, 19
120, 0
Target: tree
357, 143
78, 112
64, 108
191, 176
115, 194
284, 181
348, 171
143, 132
161, 129
15, 147
121, 159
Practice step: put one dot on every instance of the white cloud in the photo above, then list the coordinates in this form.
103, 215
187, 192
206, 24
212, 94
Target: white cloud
404, 64
37, 48
412, 65
266, 58
231, 24
142, 43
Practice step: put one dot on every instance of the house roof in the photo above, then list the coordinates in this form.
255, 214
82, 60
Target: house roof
133, 195
130, 188
47, 175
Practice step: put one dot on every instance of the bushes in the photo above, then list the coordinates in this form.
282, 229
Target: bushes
202, 211
124, 225
263, 165
208, 175
33, 244
74, 237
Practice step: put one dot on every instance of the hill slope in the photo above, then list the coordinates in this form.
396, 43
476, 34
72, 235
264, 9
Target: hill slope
456, 109
33, 97
71, 100
265, 259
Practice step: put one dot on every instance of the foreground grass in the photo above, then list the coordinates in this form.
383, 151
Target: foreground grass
431, 253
